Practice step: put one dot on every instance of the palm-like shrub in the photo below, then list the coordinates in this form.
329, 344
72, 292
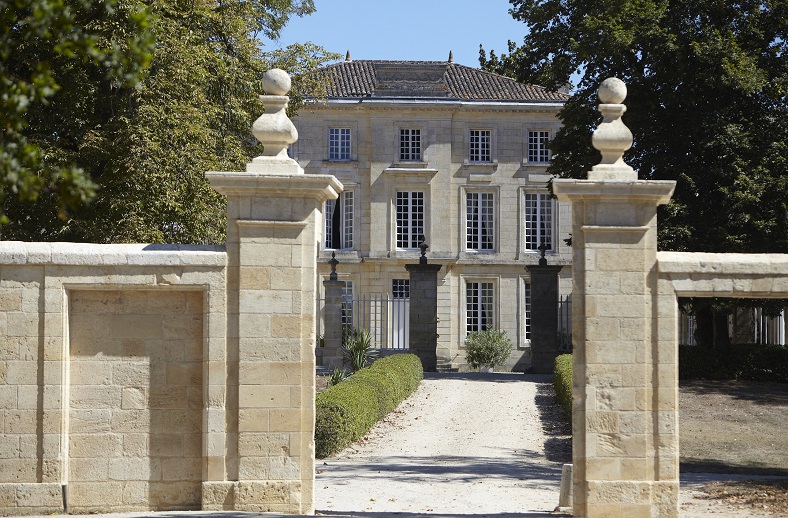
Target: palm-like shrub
358, 349
489, 347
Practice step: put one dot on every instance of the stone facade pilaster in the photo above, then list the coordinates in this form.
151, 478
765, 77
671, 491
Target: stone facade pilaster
423, 319
272, 240
544, 316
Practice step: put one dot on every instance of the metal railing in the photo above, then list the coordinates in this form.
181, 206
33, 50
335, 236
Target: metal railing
386, 318
747, 326
565, 324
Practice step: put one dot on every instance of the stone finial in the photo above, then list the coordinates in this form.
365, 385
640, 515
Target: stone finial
333, 262
273, 128
347, 57
423, 246
542, 249
612, 138
451, 57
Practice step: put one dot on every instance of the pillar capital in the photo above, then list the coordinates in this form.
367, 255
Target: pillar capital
656, 192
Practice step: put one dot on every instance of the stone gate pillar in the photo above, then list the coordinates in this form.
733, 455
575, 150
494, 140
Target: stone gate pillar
423, 318
624, 415
264, 460
544, 316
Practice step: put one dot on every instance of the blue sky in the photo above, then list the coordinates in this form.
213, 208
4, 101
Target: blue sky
407, 29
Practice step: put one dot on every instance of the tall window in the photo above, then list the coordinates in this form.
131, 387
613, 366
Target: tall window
478, 306
479, 220
347, 305
538, 221
410, 219
339, 222
409, 144
479, 146
537, 147
527, 308
339, 143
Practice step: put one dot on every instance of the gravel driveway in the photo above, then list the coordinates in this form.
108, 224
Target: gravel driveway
462, 444
471, 444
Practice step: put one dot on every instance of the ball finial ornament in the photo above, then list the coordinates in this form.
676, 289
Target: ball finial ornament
612, 91
276, 82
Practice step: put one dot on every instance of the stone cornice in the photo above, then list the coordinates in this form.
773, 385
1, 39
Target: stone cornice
656, 191
320, 186
91, 254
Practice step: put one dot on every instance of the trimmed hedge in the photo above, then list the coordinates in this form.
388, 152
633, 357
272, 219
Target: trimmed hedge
346, 411
750, 362
562, 381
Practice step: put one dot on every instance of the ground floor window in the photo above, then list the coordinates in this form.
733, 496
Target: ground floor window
479, 300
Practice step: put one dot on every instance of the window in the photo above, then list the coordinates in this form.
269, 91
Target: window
347, 305
410, 219
538, 221
479, 146
537, 147
479, 220
339, 222
479, 298
409, 144
339, 143
527, 308
400, 288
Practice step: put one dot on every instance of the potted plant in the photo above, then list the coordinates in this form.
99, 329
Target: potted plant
485, 350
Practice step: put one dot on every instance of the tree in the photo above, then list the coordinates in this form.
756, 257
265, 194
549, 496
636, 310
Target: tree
707, 83
147, 147
44, 44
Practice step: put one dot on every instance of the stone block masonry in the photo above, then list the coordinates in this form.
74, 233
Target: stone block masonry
112, 365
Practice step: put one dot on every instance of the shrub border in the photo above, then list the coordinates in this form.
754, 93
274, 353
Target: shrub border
346, 411
562, 381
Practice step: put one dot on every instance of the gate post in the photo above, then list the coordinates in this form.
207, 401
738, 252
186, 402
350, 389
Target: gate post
544, 316
625, 381
332, 317
265, 458
423, 318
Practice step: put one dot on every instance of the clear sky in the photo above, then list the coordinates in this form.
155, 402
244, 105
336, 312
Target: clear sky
407, 29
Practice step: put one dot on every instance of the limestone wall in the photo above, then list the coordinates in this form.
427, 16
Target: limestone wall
111, 359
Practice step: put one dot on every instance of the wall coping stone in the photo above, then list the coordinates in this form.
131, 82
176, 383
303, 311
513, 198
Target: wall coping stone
724, 264
92, 254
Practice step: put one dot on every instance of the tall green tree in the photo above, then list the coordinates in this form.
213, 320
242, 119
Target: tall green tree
707, 104
44, 45
147, 147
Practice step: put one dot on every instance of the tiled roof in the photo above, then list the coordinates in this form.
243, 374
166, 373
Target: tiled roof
427, 79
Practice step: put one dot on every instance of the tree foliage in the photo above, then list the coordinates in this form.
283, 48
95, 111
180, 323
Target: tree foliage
147, 146
48, 50
707, 82
707, 103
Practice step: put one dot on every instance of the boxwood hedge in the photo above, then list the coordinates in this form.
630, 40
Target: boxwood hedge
562, 380
346, 411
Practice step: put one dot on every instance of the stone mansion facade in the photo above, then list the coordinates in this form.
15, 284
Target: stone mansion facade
452, 153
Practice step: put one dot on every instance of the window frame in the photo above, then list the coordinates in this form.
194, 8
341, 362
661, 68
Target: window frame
475, 287
543, 199
408, 151
476, 147
492, 233
341, 155
347, 225
411, 232
538, 147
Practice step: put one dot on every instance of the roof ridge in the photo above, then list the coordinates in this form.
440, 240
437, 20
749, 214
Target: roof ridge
359, 78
